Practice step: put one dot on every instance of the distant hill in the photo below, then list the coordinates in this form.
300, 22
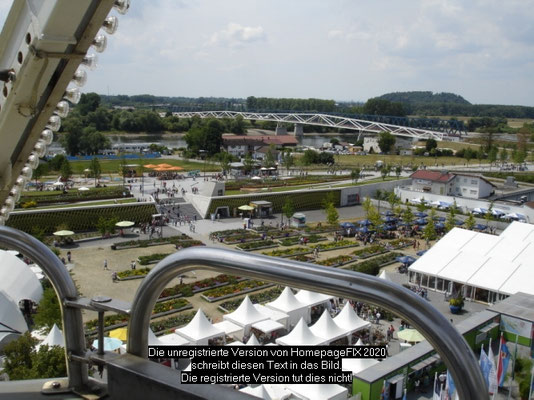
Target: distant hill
424, 97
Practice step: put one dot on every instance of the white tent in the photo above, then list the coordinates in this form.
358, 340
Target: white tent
326, 328
301, 336
236, 343
288, 303
152, 338
11, 320
199, 330
312, 299
18, 280
356, 365
273, 314
349, 320
319, 391
359, 342
54, 338
245, 315
384, 275
258, 391
268, 326
172, 339
229, 328
269, 392
253, 341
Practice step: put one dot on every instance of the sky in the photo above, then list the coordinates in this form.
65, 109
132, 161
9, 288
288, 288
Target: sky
344, 50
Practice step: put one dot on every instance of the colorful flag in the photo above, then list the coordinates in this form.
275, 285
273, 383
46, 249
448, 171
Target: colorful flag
492, 378
485, 365
502, 365
451, 387
436, 392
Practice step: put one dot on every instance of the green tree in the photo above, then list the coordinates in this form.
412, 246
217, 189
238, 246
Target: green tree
421, 207
367, 204
41, 170
309, 157
393, 200
269, 160
95, 168
288, 209
408, 216
450, 222
328, 199
492, 155
225, 162
384, 171
355, 174
248, 164
429, 232
470, 222
431, 144
398, 171
503, 155
48, 310
66, 170
332, 215
386, 141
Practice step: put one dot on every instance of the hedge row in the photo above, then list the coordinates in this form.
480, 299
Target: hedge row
80, 219
372, 267
44, 198
311, 200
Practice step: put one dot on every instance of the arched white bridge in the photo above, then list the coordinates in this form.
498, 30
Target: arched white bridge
332, 121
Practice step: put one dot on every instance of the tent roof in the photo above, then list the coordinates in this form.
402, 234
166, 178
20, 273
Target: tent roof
246, 314
384, 275
275, 315
300, 335
268, 326
172, 339
228, 327
253, 341
349, 320
10, 314
356, 365
319, 391
311, 298
286, 302
54, 338
326, 328
495, 263
18, 280
258, 391
199, 328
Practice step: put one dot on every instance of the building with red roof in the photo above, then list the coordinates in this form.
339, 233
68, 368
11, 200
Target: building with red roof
449, 184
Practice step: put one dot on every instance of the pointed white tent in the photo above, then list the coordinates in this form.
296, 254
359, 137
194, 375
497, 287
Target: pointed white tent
152, 339
273, 314
348, 319
327, 329
54, 338
199, 330
228, 327
258, 391
319, 391
12, 322
384, 275
268, 326
288, 303
253, 341
173, 339
312, 299
245, 315
18, 280
236, 343
300, 335
359, 342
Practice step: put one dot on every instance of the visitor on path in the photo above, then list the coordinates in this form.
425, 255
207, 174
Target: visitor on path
69, 256
105, 265
132, 264
114, 277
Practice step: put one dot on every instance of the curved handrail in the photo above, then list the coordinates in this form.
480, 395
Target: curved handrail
65, 290
452, 347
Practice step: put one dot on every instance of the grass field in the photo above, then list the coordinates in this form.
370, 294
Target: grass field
370, 159
113, 166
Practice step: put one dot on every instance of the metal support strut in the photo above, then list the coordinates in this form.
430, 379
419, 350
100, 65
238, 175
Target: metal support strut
452, 347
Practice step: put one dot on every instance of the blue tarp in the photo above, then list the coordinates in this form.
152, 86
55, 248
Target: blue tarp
406, 259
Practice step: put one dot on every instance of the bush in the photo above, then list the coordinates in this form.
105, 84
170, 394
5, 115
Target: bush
372, 267
256, 245
29, 204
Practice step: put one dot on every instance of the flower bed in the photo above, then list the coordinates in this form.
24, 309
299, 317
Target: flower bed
168, 324
227, 232
295, 240
372, 267
262, 244
335, 261
288, 252
233, 290
370, 251
335, 245
133, 273
263, 297
242, 237
174, 304
304, 258
149, 242
187, 290
321, 229
154, 258
400, 243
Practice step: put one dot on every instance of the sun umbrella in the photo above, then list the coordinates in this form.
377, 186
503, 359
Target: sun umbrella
347, 225
421, 214
150, 166
440, 219
389, 219
83, 189
245, 208
364, 222
364, 229
410, 335
480, 227
458, 222
439, 225
405, 259
110, 343
63, 233
388, 213
125, 224
421, 221
422, 252
119, 333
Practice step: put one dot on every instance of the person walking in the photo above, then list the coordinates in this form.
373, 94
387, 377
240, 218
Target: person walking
132, 264
105, 265
69, 256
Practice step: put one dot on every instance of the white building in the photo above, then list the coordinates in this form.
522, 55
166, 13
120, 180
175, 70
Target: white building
472, 186
401, 143
448, 184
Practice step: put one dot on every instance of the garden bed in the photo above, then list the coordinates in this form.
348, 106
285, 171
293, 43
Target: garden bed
341, 244
234, 290
130, 244
130, 274
187, 290
336, 261
295, 251
263, 244
370, 251
292, 241
400, 243
372, 267
322, 229
168, 325
258, 298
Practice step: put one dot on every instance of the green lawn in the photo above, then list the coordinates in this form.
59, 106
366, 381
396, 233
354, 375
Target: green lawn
113, 166
85, 203
348, 161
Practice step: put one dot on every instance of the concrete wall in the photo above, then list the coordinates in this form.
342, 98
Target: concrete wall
465, 204
369, 190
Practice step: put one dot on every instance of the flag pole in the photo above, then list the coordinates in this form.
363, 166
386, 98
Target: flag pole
497, 389
531, 383
513, 367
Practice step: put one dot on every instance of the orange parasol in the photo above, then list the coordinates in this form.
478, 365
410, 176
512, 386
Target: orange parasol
164, 165
150, 166
160, 169
175, 168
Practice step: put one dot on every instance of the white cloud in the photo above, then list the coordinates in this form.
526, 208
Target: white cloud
235, 35
335, 34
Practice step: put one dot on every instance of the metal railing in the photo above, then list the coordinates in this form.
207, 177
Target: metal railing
127, 371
